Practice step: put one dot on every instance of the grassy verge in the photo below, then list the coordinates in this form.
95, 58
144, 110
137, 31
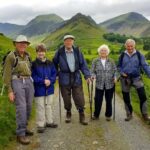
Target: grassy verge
8, 121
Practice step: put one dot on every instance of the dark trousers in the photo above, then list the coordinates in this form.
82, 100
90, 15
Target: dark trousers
142, 98
99, 99
77, 94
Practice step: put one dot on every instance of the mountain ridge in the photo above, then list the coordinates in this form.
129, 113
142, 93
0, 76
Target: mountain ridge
131, 23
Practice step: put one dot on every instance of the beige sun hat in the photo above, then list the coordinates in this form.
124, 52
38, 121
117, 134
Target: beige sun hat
69, 37
20, 39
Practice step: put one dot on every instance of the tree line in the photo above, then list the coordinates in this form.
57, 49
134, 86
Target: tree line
112, 37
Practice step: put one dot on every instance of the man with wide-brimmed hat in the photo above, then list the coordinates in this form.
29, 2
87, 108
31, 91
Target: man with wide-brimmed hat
17, 78
70, 61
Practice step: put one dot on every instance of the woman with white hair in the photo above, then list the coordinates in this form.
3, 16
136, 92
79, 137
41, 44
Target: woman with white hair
103, 70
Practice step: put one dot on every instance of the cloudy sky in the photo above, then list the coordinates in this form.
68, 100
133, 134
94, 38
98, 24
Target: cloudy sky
21, 12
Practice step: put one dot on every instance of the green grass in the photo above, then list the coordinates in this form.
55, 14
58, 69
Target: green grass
7, 110
7, 121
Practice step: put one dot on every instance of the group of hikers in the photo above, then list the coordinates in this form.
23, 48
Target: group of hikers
26, 80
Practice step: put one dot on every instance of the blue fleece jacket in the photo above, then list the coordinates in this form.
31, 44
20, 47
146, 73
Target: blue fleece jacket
40, 72
130, 65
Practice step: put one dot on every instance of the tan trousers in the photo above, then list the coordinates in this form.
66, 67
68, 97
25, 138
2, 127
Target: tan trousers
44, 110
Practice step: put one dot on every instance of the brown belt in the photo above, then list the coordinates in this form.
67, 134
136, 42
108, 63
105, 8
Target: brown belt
20, 77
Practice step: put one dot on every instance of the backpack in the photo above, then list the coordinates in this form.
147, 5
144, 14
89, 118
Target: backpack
16, 60
139, 58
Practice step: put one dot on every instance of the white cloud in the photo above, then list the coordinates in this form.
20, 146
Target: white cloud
20, 12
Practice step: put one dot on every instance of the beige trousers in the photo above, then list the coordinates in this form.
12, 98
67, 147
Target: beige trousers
44, 110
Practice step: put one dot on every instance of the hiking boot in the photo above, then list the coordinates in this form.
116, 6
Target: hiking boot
23, 140
51, 125
146, 117
108, 118
68, 117
29, 133
128, 118
82, 118
40, 129
95, 118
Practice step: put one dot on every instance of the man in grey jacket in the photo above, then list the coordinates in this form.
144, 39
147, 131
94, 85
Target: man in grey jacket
130, 63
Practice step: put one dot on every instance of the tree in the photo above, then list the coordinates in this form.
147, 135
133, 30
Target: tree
122, 48
147, 56
146, 44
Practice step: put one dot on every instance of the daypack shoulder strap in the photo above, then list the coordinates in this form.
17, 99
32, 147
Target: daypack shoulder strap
139, 57
78, 62
16, 58
121, 58
28, 56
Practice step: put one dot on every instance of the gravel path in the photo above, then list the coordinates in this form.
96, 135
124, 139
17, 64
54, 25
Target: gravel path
98, 135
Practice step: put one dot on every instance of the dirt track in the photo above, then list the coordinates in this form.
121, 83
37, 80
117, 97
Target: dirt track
98, 135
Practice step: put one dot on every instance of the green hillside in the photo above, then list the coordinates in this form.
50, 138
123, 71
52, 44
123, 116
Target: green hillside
42, 24
130, 18
146, 32
88, 34
130, 24
50, 17
5, 45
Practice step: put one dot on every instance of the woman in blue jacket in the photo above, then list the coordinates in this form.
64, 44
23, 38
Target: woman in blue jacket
44, 76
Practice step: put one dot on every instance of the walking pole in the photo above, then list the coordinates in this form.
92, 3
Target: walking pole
91, 98
59, 103
114, 104
46, 95
46, 91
